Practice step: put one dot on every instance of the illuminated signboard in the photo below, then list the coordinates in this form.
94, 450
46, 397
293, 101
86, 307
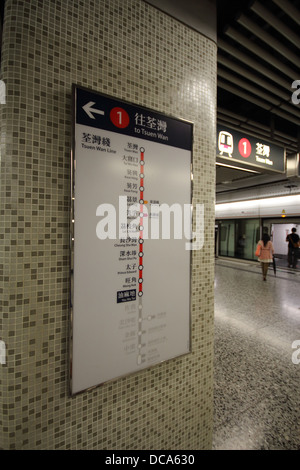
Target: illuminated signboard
234, 146
130, 286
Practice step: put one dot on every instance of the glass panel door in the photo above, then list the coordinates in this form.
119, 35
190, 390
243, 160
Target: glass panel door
247, 236
227, 238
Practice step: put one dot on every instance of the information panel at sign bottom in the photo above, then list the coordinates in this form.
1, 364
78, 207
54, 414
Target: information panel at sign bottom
131, 265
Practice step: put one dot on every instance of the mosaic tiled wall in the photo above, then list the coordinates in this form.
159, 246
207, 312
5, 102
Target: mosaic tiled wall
128, 49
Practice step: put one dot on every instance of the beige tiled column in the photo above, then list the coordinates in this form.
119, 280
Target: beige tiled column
127, 49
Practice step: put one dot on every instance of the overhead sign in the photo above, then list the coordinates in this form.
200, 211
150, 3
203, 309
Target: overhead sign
131, 273
234, 146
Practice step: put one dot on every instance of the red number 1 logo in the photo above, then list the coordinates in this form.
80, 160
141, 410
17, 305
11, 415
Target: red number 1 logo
245, 148
119, 117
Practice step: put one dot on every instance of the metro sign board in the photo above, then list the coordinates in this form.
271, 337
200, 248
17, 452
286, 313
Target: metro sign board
251, 151
130, 296
96, 110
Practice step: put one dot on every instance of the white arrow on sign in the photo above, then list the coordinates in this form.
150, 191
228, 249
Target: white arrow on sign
89, 110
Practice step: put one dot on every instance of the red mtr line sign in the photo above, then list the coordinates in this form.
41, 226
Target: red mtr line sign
142, 215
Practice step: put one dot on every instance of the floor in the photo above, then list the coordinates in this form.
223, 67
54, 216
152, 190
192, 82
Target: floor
257, 366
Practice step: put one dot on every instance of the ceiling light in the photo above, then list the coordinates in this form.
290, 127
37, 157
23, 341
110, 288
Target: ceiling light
237, 168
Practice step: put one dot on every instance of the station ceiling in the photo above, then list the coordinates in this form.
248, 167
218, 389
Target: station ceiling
258, 61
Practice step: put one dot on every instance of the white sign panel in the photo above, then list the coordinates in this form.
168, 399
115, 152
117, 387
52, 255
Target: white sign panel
131, 265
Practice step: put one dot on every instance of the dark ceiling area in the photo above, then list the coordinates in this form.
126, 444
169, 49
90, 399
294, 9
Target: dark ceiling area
258, 60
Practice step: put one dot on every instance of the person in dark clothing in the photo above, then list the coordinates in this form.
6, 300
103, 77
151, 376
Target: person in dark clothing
293, 248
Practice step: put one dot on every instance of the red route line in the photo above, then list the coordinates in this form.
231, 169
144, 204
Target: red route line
141, 219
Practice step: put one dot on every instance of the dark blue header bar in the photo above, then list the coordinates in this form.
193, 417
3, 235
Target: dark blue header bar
251, 151
103, 112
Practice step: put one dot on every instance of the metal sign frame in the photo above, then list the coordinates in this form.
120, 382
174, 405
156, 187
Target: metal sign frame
123, 323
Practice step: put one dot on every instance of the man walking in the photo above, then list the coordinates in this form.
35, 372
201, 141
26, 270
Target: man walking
293, 248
